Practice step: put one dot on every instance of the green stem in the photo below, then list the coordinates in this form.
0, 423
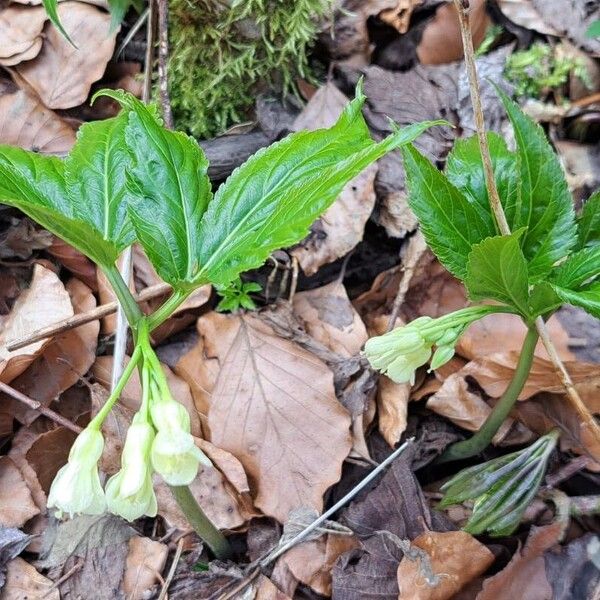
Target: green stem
482, 438
130, 307
97, 421
216, 541
163, 312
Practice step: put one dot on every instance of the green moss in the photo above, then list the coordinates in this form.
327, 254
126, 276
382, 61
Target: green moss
221, 50
540, 69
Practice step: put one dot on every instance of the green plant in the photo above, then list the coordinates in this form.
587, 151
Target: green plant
236, 46
593, 31
542, 68
550, 258
128, 178
236, 295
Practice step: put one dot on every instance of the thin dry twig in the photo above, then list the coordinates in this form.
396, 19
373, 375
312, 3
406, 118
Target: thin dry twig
80, 319
35, 405
462, 7
169, 579
163, 60
76, 567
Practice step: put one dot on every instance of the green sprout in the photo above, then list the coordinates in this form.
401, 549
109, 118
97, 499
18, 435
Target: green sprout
236, 295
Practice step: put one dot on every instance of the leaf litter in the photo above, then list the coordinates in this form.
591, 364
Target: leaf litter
315, 418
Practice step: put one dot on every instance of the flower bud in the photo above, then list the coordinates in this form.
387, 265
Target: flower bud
130, 493
174, 453
76, 487
441, 356
402, 369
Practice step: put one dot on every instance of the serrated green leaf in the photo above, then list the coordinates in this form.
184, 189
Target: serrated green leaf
169, 192
450, 221
588, 222
497, 269
580, 268
35, 184
95, 177
272, 199
544, 205
587, 298
51, 7
543, 300
464, 169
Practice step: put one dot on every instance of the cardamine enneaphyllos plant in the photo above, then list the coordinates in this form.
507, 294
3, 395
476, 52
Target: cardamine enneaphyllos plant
128, 178
551, 257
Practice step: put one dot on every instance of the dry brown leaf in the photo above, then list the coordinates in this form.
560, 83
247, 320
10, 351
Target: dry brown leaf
19, 29
16, 503
311, 562
342, 226
502, 332
392, 408
61, 74
328, 316
28, 54
441, 40
399, 16
464, 408
76, 262
45, 302
274, 408
63, 362
145, 561
265, 589
525, 575
524, 14
455, 557
23, 582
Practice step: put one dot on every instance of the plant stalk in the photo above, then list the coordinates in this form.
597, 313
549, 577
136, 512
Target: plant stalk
482, 438
165, 310
202, 525
131, 309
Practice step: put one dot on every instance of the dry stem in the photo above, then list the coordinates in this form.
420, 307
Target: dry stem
462, 7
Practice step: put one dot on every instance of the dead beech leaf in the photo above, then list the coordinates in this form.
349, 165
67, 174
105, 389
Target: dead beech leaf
265, 589
61, 74
23, 582
342, 226
145, 562
399, 16
76, 262
19, 29
43, 303
441, 40
455, 557
28, 54
274, 408
65, 360
16, 504
329, 317
392, 408
525, 14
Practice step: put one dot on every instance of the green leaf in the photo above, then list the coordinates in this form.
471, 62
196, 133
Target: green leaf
544, 205
543, 300
464, 169
35, 184
118, 9
95, 176
451, 221
51, 7
497, 269
589, 222
587, 298
169, 192
272, 199
593, 31
578, 269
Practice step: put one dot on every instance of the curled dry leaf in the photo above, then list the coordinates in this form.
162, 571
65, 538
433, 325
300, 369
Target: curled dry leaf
399, 16
265, 589
63, 362
20, 30
76, 262
145, 561
61, 74
342, 226
24, 582
274, 408
455, 559
328, 316
43, 303
526, 15
392, 408
16, 503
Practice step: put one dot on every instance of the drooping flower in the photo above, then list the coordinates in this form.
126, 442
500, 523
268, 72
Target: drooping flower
129, 493
174, 453
76, 488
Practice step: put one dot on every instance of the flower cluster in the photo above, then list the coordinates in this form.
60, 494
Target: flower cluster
158, 440
399, 353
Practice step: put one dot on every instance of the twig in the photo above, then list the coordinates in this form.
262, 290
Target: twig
35, 405
163, 59
244, 583
169, 579
76, 567
462, 7
567, 471
80, 319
